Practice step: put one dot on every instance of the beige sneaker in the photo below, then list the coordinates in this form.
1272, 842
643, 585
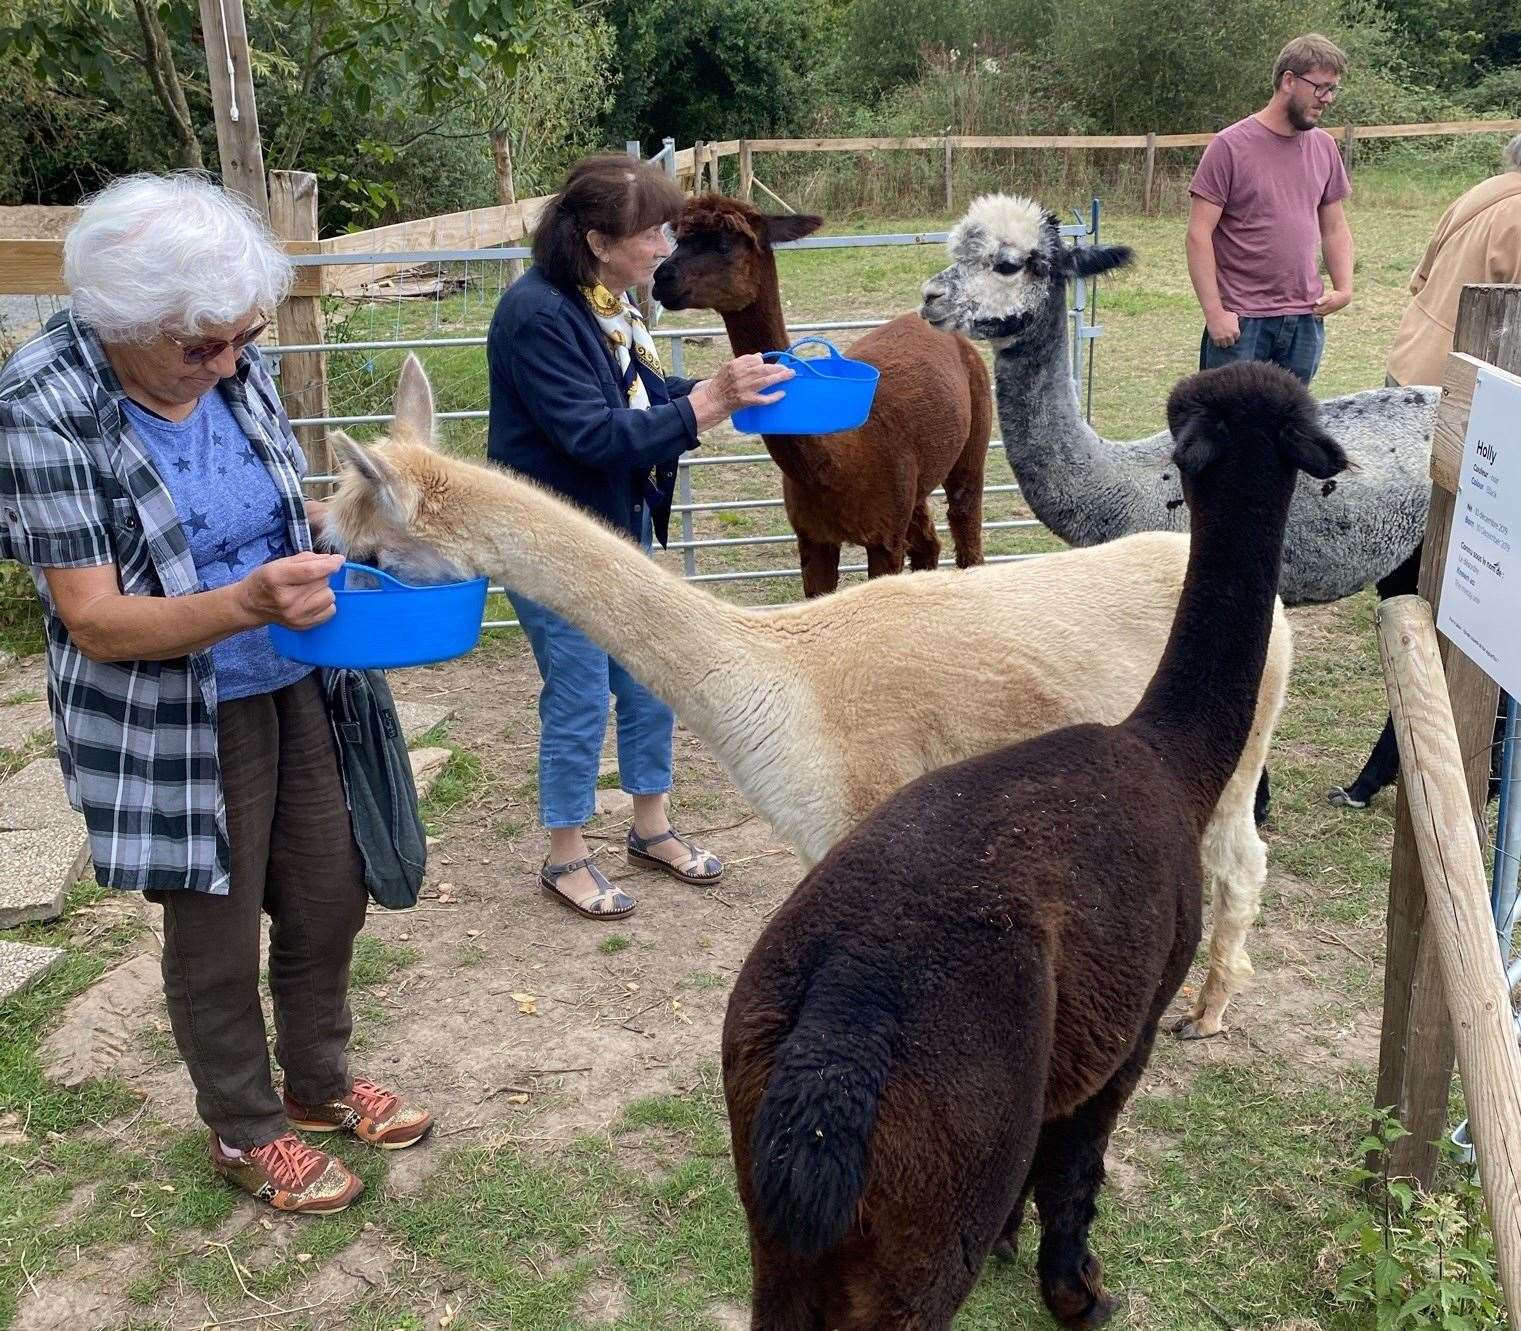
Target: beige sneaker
375, 1115
289, 1175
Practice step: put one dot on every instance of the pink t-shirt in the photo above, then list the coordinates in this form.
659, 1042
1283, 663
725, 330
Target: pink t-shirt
1271, 188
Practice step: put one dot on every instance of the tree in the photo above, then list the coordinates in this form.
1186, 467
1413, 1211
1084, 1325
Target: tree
95, 48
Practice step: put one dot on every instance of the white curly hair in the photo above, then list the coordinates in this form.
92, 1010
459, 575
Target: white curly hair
175, 253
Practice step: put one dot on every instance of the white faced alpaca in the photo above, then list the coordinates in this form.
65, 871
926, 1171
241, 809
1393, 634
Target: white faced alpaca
1009, 265
394, 501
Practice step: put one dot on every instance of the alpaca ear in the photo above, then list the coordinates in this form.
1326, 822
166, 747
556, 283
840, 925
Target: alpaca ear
414, 402
791, 226
377, 475
1091, 260
1315, 452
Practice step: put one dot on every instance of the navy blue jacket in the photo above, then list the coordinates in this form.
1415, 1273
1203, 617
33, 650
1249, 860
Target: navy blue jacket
559, 413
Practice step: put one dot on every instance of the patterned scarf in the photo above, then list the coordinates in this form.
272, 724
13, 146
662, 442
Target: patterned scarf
633, 347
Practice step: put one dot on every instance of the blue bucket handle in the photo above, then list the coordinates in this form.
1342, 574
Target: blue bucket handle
380, 575
803, 364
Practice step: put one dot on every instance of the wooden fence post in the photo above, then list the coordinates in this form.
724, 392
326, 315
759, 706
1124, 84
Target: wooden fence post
746, 171
1349, 147
303, 374
1478, 995
699, 160
1150, 170
950, 182
232, 100
1416, 1047
507, 192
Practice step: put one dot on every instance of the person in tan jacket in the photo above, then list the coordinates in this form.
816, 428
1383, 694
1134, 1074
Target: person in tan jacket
1477, 240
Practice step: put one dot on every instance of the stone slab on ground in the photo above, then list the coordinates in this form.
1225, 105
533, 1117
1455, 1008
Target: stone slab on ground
20, 721
427, 765
34, 800
37, 868
22, 964
26, 675
418, 718
99, 1025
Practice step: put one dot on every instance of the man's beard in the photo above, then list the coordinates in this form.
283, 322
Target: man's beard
1301, 120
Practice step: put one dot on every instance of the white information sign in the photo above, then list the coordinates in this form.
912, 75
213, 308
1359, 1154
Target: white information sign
1480, 610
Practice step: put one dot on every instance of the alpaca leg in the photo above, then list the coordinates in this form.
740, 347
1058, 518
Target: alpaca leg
963, 496
1383, 764
1235, 859
1067, 1175
881, 560
820, 563
923, 541
1007, 1246
785, 1296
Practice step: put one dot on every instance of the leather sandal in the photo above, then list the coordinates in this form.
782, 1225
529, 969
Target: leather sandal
608, 904
701, 868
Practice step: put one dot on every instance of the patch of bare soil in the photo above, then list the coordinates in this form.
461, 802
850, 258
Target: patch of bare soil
514, 1026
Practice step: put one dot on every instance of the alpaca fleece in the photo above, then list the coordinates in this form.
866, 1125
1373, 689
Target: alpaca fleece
955, 1004
930, 420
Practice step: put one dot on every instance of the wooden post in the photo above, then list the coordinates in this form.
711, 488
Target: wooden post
950, 183
501, 155
1349, 147
746, 171
1478, 996
232, 98
699, 158
303, 374
1150, 170
1416, 1047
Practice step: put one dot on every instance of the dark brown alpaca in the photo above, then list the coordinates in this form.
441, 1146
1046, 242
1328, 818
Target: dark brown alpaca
929, 423
949, 1013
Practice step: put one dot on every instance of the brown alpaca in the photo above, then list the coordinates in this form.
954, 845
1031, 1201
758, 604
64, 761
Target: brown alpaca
953, 1007
929, 425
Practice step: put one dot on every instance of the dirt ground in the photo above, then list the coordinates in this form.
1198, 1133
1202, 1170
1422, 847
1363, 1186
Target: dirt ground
512, 1026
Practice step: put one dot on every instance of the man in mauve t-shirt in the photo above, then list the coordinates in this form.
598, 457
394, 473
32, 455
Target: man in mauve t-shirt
1268, 193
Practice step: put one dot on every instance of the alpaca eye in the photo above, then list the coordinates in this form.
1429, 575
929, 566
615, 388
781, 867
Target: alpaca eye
1007, 267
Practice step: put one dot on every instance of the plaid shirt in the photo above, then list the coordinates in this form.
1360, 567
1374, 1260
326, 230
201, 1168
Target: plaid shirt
137, 740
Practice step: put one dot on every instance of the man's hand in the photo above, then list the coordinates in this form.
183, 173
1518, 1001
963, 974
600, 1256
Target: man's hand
1332, 301
292, 591
1224, 328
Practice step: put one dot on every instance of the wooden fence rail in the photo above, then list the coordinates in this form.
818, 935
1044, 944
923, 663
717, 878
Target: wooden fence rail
33, 267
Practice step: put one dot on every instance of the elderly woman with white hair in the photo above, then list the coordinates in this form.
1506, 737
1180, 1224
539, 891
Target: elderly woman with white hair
1478, 240
151, 482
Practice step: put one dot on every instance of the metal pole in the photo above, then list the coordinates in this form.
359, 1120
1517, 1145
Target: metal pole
684, 476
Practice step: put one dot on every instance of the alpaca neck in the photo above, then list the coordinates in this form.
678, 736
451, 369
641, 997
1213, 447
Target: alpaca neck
668, 634
760, 327
1058, 459
1201, 701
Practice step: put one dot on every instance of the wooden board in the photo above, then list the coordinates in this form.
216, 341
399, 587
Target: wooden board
35, 268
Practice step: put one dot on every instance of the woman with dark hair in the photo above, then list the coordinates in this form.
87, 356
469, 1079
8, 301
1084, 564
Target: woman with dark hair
580, 403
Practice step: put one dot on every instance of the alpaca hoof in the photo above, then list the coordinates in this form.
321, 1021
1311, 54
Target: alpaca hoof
1196, 1028
1342, 798
1083, 1302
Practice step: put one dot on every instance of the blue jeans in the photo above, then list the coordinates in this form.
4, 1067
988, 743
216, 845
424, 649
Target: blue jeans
1294, 341
579, 678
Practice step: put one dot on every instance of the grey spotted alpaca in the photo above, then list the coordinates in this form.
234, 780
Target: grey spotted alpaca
1007, 286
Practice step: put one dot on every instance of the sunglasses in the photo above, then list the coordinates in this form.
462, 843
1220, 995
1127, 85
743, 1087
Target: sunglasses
198, 353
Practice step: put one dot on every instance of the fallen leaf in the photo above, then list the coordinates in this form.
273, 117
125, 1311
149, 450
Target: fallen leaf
446, 1318
527, 1004
303, 1257
519, 1099
166, 1187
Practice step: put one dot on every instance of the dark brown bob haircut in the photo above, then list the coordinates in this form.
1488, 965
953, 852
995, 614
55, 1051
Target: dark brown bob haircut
612, 193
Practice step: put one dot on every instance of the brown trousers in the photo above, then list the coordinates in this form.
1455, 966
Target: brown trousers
294, 859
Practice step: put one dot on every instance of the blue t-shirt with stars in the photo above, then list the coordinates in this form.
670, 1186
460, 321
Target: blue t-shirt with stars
233, 522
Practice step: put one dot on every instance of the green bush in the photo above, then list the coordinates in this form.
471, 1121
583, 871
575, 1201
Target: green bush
1420, 1259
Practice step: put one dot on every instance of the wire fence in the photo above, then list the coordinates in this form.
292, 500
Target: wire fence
729, 521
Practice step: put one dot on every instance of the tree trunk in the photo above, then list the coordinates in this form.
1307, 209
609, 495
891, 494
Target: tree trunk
159, 57
501, 154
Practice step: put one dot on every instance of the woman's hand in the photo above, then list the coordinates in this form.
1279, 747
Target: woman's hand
741, 382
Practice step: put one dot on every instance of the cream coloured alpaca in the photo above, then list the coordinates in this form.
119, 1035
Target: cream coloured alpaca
818, 711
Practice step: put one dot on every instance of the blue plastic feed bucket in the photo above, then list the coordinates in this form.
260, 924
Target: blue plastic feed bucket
381, 623
825, 395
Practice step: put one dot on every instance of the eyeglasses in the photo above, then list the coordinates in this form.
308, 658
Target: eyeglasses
1324, 92
198, 353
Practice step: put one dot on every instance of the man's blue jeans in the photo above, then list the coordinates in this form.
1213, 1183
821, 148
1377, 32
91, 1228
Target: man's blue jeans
579, 679
1294, 341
